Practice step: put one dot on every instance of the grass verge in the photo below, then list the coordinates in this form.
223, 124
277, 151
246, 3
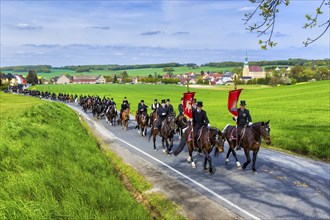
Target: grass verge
137, 185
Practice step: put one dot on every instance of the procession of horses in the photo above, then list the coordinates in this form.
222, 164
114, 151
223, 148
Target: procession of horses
208, 138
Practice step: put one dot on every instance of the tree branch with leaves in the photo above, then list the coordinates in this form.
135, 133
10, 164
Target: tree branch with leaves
269, 9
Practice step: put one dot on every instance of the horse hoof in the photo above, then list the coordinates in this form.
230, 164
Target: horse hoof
155, 149
212, 171
193, 165
164, 151
227, 161
238, 164
255, 172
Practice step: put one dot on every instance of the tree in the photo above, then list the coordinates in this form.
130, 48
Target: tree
32, 77
269, 11
168, 70
115, 80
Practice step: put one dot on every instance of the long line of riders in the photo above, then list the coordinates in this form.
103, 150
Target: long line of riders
208, 138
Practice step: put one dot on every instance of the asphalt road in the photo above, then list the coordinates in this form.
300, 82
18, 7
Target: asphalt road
286, 186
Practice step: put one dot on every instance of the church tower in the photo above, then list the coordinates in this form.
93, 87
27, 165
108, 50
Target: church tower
246, 70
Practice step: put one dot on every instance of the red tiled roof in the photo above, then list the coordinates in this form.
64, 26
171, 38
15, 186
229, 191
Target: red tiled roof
255, 69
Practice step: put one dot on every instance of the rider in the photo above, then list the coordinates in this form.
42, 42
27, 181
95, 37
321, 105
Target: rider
162, 113
199, 119
142, 108
124, 106
243, 119
194, 106
155, 105
169, 106
180, 107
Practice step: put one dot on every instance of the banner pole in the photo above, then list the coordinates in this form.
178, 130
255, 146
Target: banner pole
237, 116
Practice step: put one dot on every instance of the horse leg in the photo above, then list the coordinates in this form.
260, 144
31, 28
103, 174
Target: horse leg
228, 153
205, 161
247, 155
191, 149
145, 130
255, 152
238, 164
171, 145
163, 140
154, 140
211, 170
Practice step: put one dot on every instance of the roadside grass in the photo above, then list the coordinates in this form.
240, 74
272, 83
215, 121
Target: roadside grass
138, 186
299, 114
51, 168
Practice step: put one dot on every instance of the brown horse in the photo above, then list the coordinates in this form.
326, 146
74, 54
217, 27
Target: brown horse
123, 121
181, 122
142, 123
208, 139
166, 132
111, 115
153, 118
251, 140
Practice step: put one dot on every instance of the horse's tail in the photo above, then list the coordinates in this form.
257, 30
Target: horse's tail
152, 129
181, 145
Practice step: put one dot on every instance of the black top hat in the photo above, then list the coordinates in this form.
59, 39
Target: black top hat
125, 97
195, 100
168, 100
200, 103
142, 100
243, 102
163, 101
156, 100
181, 99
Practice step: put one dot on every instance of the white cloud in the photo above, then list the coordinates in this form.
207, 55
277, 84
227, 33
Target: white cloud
247, 8
24, 26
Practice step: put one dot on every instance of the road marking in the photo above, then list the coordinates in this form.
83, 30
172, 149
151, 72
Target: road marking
98, 127
193, 181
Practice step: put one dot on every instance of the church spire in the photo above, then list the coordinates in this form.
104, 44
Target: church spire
246, 62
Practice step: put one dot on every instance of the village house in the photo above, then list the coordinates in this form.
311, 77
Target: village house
20, 79
84, 79
100, 79
9, 78
62, 80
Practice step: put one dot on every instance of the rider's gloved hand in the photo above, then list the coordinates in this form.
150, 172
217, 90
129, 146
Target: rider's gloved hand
250, 123
208, 125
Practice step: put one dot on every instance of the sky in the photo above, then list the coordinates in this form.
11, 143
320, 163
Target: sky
60, 33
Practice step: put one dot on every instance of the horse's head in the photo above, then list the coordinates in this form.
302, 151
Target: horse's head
171, 122
265, 132
218, 140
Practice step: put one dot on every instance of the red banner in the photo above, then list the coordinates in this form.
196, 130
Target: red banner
232, 101
188, 98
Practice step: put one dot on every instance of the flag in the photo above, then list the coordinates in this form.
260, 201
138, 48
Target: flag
232, 101
188, 98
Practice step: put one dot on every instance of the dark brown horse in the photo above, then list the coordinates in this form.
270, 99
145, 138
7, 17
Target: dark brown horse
208, 139
123, 121
166, 132
111, 115
251, 140
142, 123
153, 117
181, 122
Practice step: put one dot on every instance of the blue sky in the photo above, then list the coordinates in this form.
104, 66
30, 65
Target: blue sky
141, 32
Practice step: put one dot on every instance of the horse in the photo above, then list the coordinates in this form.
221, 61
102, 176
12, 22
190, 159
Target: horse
208, 138
181, 122
123, 121
142, 123
111, 115
250, 140
153, 117
166, 132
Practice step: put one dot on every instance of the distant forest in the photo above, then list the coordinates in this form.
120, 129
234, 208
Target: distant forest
113, 67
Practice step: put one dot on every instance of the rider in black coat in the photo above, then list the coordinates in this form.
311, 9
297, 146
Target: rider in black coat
169, 107
199, 119
180, 107
162, 113
243, 119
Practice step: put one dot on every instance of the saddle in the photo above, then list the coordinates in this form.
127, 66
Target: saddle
199, 134
233, 133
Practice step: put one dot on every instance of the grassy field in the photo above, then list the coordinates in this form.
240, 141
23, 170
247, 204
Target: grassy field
299, 114
131, 72
51, 167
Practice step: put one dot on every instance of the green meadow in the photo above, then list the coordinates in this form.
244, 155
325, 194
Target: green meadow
51, 168
298, 114
131, 72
